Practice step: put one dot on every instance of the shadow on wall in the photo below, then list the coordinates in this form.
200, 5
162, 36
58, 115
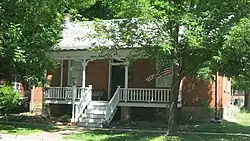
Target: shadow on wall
198, 98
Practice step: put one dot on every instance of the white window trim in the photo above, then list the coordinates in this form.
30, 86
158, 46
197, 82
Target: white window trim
16, 85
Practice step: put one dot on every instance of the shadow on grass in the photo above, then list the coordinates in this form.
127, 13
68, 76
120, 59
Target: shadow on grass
25, 129
133, 136
114, 136
224, 127
28, 119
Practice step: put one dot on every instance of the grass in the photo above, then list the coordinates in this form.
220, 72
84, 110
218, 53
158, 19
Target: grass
132, 136
243, 126
24, 129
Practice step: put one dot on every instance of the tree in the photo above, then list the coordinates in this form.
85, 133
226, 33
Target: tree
237, 62
28, 30
242, 84
187, 35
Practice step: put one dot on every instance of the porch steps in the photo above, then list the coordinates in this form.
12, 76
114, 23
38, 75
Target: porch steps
93, 115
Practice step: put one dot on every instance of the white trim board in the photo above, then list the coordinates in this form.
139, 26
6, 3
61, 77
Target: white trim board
85, 54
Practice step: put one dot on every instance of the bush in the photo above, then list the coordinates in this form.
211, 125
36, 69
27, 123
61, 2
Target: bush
65, 118
9, 99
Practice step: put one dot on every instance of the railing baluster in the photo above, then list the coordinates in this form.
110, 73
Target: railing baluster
155, 95
162, 92
137, 95
134, 94
158, 92
60, 93
168, 96
165, 95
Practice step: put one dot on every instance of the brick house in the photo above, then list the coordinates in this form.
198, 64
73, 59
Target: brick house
106, 89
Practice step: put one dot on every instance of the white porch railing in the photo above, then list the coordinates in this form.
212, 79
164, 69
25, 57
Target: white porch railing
86, 97
144, 95
62, 93
111, 107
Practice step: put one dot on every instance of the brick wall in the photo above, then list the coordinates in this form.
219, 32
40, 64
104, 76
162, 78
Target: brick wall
55, 77
38, 100
140, 71
196, 92
97, 74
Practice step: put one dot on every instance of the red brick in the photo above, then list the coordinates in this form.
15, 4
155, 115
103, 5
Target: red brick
97, 74
140, 71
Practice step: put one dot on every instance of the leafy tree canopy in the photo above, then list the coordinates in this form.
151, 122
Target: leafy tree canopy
237, 54
189, 35
29, 29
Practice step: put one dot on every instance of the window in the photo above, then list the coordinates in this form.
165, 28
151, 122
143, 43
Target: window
75, 73
16, 82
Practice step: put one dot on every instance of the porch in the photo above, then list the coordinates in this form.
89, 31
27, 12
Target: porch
130, 97
89, 113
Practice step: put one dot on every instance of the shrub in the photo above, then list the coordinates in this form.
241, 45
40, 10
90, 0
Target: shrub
9, 99
65, 118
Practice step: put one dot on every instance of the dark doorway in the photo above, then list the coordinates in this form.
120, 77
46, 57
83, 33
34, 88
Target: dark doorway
117, 79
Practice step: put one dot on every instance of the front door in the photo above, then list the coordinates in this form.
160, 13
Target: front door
117, 78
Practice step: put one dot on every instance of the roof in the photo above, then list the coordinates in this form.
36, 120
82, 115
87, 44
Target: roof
75, 36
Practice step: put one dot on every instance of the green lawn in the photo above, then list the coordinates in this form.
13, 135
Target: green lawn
24, 129
243, 126
129, 136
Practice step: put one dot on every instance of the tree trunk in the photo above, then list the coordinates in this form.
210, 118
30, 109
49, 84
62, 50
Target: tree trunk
173, 115
246, 99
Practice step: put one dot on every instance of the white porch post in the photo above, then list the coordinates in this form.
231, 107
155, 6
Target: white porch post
126, 82
84, 64
61, 76
125, 111
73, 101
126, 77
109, 79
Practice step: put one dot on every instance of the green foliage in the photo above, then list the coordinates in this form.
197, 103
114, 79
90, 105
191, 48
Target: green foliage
9, 99
188, 35
65, 118
28, 30
207, 109
237, 53
244, 110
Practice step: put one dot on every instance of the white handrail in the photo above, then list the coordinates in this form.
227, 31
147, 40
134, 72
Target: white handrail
110, 109
86, 97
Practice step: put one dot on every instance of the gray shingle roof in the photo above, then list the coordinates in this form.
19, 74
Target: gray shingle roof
75, 36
